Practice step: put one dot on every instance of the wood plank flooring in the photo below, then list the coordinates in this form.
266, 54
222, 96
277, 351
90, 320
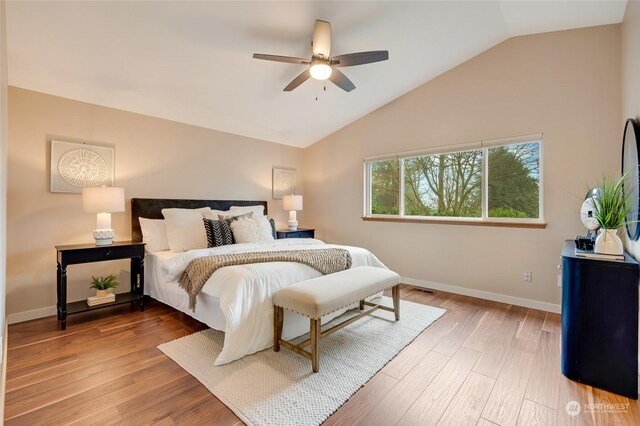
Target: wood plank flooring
482, 363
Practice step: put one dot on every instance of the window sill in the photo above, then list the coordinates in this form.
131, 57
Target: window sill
468, 222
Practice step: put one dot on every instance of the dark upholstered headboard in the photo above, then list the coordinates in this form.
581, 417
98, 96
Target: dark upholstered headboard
151, 208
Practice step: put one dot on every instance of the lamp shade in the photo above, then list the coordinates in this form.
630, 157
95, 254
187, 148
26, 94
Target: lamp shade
103, 199
292, 202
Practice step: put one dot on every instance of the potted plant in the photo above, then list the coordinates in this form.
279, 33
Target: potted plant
611, 206
103, 284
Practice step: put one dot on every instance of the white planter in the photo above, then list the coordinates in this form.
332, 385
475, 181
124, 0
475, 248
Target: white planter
608, 242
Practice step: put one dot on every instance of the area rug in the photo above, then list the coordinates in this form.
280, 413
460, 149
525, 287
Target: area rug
269, 388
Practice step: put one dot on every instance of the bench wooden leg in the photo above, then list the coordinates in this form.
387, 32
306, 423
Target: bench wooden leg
278, 319
315, 340
395, 294
362, 304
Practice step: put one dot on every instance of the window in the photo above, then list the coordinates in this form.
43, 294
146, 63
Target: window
444, 185
514, 181
385, 187
496, 182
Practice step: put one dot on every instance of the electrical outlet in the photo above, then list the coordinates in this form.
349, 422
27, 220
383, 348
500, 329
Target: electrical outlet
559, 275
527, 277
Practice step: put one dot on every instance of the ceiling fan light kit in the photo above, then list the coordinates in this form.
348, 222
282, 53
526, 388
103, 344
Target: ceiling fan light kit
320, 70
322, 66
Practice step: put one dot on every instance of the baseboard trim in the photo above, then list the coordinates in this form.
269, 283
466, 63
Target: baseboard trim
487, 295
31, 315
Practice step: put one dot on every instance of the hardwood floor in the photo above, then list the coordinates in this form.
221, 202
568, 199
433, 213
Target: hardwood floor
482, 363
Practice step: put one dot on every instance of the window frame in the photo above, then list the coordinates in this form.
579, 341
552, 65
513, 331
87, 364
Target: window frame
484, 146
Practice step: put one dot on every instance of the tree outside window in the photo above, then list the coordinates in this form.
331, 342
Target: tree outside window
514, 181
385, 187
444, 185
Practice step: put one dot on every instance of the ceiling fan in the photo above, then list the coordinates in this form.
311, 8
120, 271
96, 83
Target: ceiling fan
321, 65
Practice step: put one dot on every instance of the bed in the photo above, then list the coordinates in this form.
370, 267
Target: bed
235, 299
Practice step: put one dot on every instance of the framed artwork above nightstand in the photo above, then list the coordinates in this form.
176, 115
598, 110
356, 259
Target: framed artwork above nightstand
300, 233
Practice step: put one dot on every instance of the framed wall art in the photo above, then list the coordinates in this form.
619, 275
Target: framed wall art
78, 165
284, 182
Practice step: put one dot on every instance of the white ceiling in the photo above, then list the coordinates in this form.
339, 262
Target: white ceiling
191, 61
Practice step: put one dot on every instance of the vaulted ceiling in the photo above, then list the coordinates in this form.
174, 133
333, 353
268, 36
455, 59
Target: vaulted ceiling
192, 61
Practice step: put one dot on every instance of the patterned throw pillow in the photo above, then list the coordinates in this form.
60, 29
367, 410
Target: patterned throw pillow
219, 231
234, 216
273, 229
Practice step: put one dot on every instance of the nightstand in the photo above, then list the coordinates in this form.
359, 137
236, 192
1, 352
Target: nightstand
300, 233
87, 253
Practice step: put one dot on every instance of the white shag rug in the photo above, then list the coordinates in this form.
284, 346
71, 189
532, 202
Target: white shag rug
278, 388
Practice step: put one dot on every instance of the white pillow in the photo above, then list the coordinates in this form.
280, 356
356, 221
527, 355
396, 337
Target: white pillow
213, 214
185, 228
257, 210
154, 234
252, 230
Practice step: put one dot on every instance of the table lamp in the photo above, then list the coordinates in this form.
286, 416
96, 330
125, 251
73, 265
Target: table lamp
103, 200
292, 203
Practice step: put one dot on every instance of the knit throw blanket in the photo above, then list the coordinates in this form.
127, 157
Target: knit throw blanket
198, 271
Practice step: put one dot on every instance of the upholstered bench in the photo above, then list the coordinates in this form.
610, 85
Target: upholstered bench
323, 295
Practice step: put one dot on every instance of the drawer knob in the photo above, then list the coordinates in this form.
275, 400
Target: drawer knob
107, 253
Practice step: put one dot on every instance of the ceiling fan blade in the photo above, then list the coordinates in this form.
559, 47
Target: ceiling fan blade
306, 75
341, 80
360, 58
277, 58
321, 39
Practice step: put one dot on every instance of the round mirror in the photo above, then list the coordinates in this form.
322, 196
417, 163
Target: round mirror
630, 144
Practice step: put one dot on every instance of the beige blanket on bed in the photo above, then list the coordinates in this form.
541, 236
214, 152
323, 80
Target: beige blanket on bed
325, 261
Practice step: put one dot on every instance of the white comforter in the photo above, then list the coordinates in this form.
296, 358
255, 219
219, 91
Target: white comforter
245, 291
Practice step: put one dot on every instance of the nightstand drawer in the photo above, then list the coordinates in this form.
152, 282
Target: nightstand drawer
98, 253
300, 233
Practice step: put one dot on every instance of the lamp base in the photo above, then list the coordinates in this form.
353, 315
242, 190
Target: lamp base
293, 220
103, 237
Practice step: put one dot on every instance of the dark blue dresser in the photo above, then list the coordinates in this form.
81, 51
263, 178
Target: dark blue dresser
600, 322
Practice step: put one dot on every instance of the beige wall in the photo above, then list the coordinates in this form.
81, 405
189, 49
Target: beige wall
631, 78
154, 158
564, 84
3, 199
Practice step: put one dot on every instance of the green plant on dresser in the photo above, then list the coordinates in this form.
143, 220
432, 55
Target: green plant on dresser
611, 206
